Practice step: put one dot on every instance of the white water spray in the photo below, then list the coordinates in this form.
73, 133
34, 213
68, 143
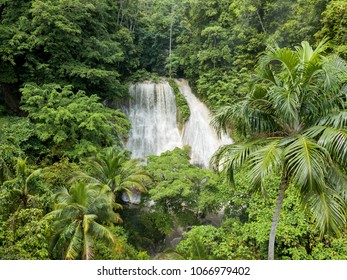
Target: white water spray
152, 113
198, 133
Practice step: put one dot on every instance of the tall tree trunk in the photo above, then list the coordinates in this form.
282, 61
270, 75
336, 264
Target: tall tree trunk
275, 219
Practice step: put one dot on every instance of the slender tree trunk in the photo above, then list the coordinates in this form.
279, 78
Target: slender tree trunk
275, 219
170, 44
261, 22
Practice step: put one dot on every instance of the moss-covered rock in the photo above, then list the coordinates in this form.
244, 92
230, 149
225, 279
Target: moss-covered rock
183, 111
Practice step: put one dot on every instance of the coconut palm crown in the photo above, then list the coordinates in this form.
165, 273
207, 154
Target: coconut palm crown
81, 215
294, 124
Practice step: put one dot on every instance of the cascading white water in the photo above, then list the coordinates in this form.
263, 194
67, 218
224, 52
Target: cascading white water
152, 113
197, 132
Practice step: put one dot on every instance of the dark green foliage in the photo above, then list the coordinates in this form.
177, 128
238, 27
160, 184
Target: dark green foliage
146, 228
66, 42
143, 75
122, 250
220, 40
157, 32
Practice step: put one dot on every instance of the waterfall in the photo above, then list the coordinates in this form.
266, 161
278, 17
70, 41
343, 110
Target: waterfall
152, 113
197, 132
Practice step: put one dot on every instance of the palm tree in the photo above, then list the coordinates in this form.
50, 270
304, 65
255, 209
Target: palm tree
114, 169
81, 214
294, 121
21, 191
20, 185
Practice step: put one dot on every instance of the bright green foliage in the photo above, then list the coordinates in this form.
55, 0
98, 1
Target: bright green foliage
295, 123
24, 236
18, 132
59, 174
69, 123
181, 192
79, 214
334, 26
198, 239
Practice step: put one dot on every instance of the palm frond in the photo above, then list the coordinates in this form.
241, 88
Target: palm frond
231, 157
88, 241
314, 131
102, 232
287, 59
338, 180
198, 249
311, 72
286, 103
265, 161
306, 163
62, 196
308, 54
266, 73
335, 141
337, 120
328, 209
73, 248
335, 71
221, 119
260, 122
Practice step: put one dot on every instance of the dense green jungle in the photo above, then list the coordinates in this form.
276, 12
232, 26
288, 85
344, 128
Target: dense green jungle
272, 72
